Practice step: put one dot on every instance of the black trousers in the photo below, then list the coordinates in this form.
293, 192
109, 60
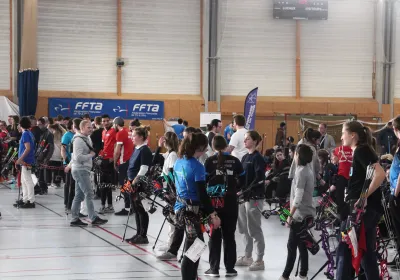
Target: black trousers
55, 176
294, 242
189, 268
69, 190
142, 218
122, 175
42, 180
107, 179
229, 217
394, 206
177, 240
341, 184
270, 190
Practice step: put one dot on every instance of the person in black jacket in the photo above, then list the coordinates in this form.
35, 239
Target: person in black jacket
328, 172
359, 138
223, 172
387, 139
249, 222
96, 136
139, 164
43, 153
279, 166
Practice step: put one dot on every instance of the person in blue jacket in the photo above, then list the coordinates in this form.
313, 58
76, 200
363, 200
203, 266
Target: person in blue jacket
394, 202
190, 182
26, 158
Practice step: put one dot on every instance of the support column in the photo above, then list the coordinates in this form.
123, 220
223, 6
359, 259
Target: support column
298, 61
17, 43
390, 19
28, 77
204, 62
119, 46
213, 47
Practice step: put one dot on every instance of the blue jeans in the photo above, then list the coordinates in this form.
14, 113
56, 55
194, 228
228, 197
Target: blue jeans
83, 189
369, 261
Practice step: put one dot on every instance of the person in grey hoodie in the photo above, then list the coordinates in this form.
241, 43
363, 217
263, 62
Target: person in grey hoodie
301, 206
80, 166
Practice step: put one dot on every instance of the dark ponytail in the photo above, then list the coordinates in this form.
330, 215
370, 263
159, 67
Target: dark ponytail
255, 136
364, 133
191, 144
311, 135
142, 131
219, 144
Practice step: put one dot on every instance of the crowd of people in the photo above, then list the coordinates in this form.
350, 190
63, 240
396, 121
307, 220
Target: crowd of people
218, 178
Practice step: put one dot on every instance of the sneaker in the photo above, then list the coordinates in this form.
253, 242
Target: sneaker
212, 273
244, 261
258, 265
124, 212
132, 239
109, 209
98, 221
78, 223
231, 273
82, 215
27, 205
140, 240
167, 256
18, 203
163, 248
102, 210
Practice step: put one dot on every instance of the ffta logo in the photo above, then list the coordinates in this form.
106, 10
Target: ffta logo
146, 107
89, 106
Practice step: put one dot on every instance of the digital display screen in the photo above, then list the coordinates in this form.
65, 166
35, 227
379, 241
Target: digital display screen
301, 9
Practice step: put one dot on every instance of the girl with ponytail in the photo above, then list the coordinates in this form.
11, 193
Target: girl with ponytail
223, 172
139, 164
359, 139
190, 183
249, 220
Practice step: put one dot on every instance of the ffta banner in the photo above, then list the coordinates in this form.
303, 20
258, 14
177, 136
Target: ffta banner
128, 109
250, 109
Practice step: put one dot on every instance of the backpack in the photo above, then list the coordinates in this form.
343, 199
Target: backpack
44, 150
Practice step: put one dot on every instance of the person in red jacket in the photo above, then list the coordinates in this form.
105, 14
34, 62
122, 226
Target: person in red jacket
3, 136
107, 165
122, 153
344, 155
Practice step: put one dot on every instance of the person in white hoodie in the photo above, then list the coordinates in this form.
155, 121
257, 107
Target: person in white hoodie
80, 166
236, 145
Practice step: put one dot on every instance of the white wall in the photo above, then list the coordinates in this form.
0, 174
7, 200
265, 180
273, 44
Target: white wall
4, 45
161, 43
77, 46
336, 55
256, 50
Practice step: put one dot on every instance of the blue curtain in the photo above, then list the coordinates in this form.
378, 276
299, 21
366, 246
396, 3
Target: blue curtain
28, 82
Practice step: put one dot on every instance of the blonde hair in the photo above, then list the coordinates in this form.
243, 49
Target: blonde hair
83, 123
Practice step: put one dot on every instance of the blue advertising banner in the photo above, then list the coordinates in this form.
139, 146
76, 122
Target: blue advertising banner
128, 109
250, 109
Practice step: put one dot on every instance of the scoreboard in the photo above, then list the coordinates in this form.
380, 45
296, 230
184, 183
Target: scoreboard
301, 9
